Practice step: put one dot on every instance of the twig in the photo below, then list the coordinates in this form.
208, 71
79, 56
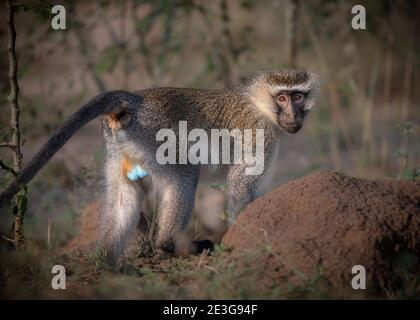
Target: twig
203, 255
8, 145
291, 20
8, 239
212, 269
7, 168
19, 239
14, 88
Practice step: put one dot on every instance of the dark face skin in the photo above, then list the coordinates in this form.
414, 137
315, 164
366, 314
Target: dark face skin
290, 110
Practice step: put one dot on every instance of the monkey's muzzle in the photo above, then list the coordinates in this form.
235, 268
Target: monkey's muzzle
292, 129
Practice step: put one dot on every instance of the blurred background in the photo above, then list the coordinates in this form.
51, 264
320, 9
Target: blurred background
366, 123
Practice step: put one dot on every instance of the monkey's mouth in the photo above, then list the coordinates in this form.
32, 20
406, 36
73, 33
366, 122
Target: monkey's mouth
291, 128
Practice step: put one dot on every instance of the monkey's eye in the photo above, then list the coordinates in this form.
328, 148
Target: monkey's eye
297, 97
281, 98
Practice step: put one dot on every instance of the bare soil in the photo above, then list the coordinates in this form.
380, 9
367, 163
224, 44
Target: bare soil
327, 223
89, 227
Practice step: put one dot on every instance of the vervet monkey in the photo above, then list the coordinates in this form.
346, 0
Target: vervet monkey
274, 101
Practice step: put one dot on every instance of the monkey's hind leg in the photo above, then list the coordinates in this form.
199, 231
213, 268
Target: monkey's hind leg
177, 203
121, 205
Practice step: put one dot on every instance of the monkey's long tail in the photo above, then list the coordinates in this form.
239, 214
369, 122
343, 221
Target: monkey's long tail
101, 104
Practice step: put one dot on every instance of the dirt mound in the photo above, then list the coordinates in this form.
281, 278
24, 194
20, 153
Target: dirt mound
89, 228
328, 223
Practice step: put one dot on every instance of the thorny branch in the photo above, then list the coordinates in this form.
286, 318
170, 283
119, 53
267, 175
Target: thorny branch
15, 144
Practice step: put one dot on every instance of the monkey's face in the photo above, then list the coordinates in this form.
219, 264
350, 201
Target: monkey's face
285, 97
290, 109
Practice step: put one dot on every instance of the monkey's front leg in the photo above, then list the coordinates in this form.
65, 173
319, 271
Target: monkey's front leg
244, 187
177, 203
242, 190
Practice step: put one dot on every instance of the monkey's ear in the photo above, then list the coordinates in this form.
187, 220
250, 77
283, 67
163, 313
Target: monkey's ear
316, 79
314, 83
